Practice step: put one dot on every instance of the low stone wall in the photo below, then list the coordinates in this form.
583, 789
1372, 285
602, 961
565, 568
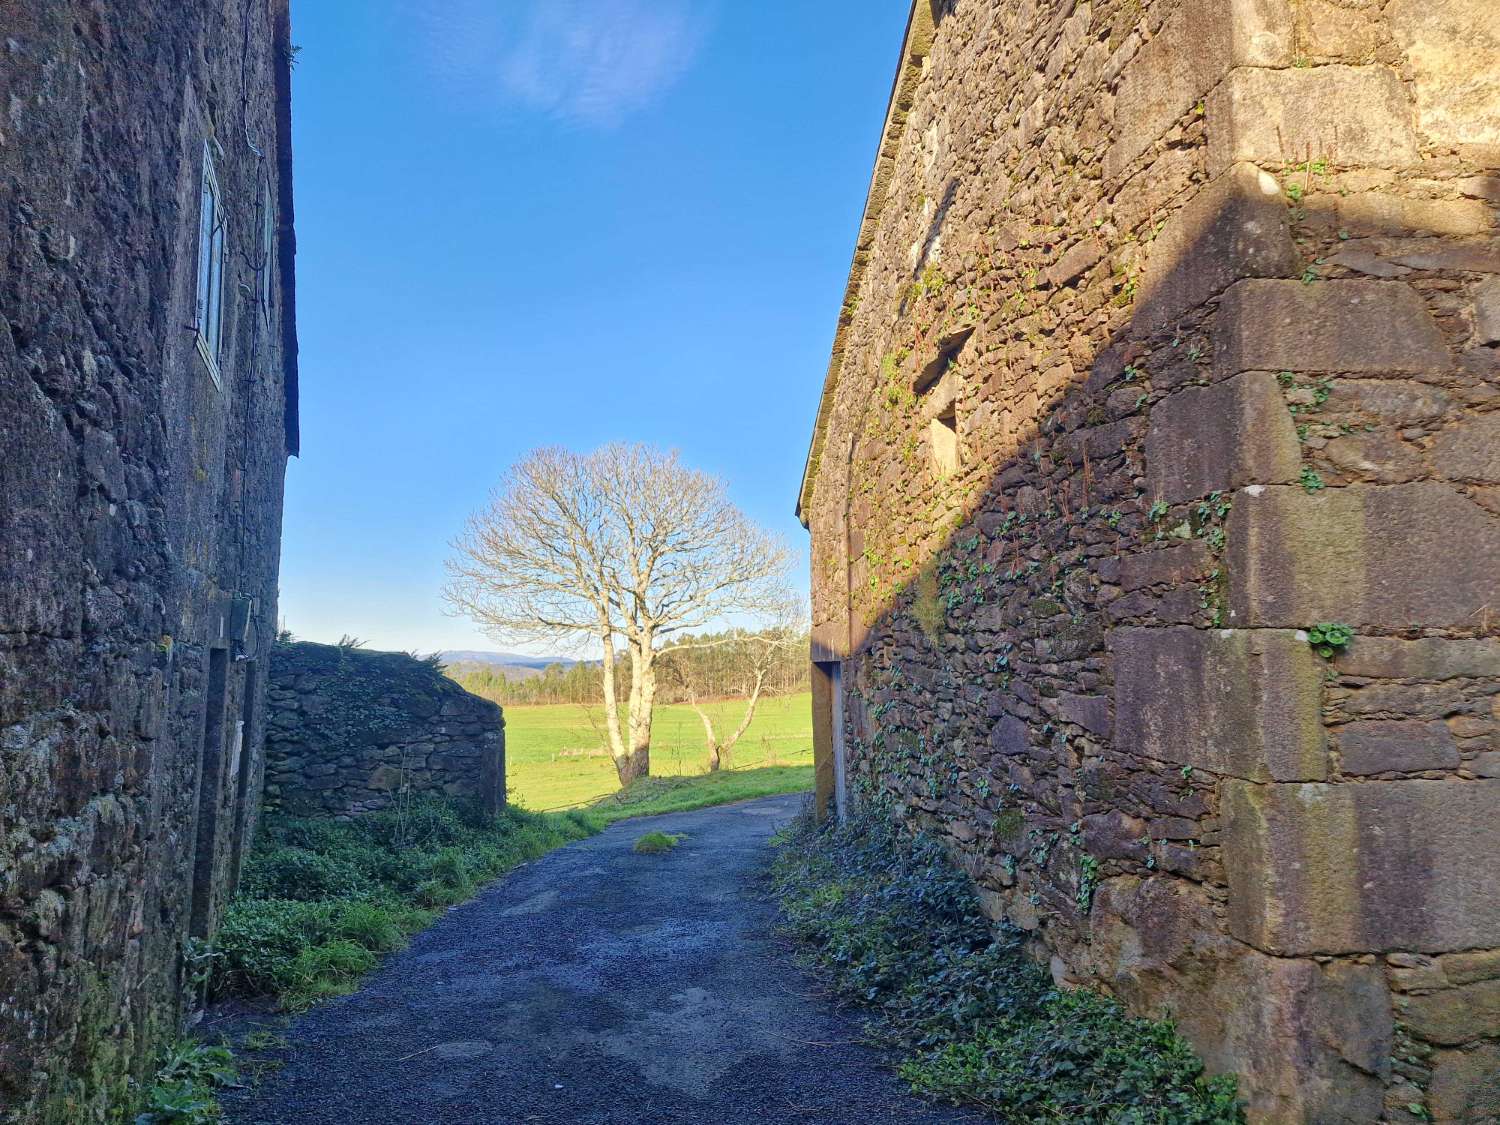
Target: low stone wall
350, 730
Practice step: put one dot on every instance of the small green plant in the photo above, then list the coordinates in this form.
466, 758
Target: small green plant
1330, 638
1310, 480
197, 963
183, 1091
264, 1040
1088, 881
656, 843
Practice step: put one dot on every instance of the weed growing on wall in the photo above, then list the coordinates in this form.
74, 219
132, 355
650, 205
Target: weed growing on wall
1329, 638
897, 927
320, 900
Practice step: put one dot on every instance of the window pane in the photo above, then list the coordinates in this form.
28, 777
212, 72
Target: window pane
206, 219
216, 293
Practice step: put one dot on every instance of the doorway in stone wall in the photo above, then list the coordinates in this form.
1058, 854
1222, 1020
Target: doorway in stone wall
210, 775
241, 764
840, 763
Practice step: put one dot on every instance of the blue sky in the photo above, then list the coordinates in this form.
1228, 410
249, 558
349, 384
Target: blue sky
562, 223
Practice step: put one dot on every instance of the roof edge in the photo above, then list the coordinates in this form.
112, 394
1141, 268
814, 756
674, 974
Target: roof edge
286, 255
915, 46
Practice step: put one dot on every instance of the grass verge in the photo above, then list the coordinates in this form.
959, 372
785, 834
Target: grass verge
895, 926
653, 796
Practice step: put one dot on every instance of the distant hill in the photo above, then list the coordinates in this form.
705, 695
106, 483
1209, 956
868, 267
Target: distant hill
505, 659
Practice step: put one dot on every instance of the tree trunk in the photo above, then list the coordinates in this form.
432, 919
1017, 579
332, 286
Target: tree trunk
633, 767
623, 766
713, 759
642, 706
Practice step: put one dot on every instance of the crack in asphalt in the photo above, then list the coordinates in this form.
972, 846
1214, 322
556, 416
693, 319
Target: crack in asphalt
596, 986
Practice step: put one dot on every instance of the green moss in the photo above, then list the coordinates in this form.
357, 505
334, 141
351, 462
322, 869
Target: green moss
108, 1051
927, 604
1008, 825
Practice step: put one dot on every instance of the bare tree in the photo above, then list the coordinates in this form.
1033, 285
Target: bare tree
749, 659
624, 547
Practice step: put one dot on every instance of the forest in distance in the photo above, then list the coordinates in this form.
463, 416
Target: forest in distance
710, 666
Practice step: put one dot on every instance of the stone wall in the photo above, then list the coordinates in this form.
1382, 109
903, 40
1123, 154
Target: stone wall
350, 731
140, 517
1171, 334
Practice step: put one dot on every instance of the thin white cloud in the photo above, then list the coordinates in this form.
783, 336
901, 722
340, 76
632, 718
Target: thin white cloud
590, 61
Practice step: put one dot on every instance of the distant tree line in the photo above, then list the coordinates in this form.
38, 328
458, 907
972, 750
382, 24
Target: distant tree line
707, 667
556, 683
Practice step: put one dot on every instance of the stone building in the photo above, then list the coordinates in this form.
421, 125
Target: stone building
350, 732
1172, 336
148, 403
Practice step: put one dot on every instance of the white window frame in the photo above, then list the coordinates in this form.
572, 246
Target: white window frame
209, 318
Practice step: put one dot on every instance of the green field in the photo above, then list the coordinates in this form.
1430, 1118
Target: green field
555, 755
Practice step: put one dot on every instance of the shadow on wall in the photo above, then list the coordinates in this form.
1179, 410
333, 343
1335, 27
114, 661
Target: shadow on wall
1077, 656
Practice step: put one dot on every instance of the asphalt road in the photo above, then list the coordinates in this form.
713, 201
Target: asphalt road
596, 986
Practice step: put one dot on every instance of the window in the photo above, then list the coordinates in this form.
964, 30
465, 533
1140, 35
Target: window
210, 313
937, 383
268, 250
947, 355
944, 436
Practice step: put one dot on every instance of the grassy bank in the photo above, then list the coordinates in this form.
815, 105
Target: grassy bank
555, 755
895, 926
320, 900
653, 796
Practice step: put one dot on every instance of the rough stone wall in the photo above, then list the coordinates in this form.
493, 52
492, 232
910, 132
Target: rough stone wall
1208, 292
350, 731
140, 513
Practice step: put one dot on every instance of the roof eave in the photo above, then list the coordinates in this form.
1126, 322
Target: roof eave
287, 224
915, 46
